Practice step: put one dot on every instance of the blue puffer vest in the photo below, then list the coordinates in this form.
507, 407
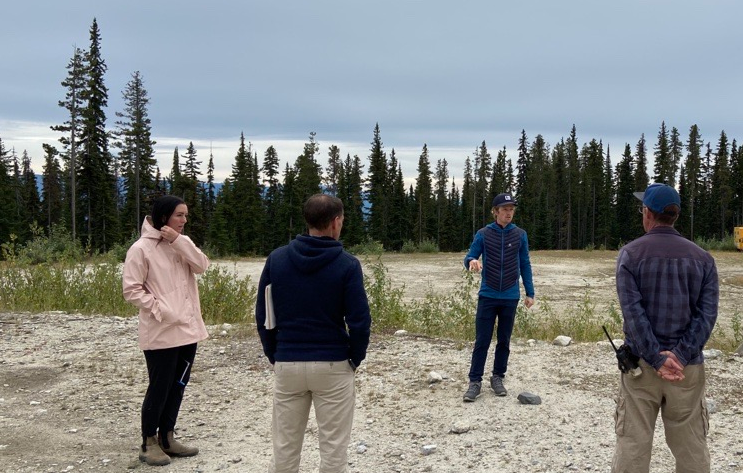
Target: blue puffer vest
502, 254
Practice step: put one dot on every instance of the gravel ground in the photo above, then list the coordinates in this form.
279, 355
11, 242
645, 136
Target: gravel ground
71, 387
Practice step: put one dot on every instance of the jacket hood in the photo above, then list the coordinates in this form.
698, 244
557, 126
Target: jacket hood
309, 254
148, 231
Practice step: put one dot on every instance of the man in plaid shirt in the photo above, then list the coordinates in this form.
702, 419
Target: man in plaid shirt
668, 291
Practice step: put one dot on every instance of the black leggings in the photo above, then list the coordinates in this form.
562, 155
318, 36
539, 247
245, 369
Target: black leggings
169, 370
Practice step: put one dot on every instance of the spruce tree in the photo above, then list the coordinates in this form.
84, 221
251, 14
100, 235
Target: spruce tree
30, 202
75, 84
333, 171
7, 202
721, 193
97, 185
399, 227
424, 204
736, 183
626, 203
483, 171
692, 184
273, 235
677, 151
663, 167
52, 190
351, 192
377, 194
136, 154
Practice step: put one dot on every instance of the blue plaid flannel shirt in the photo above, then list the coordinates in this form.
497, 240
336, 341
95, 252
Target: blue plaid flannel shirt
668, 291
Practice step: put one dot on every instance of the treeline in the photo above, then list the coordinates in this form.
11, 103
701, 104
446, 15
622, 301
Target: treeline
100, 183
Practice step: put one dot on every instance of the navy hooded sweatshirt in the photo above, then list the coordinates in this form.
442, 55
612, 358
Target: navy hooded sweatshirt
322, 313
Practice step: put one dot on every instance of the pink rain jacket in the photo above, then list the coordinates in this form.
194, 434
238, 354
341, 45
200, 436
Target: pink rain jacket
159, 278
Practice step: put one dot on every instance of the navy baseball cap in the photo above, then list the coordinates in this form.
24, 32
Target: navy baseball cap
658, 196
504, 199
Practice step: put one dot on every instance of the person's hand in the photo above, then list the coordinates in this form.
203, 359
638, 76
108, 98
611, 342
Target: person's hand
528, 302
671, 370
168, 233
475, 265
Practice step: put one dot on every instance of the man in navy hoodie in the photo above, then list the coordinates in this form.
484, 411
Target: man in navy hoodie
505, 257
320, 337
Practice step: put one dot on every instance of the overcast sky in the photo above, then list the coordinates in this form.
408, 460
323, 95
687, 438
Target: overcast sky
443, 73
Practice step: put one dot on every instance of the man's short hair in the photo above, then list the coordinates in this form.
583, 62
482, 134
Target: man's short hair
668, 216
320, 210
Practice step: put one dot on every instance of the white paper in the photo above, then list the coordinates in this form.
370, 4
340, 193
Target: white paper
270, 322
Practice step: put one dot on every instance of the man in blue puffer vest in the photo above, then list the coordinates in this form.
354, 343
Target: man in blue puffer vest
505, 257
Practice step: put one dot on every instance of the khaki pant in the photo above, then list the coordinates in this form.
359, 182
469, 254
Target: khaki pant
685, 418
329, 386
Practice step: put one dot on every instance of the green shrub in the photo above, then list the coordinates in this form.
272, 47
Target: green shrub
428, 246
226, 297
712, 244
57, 246
408, 247
369, 247
385, 302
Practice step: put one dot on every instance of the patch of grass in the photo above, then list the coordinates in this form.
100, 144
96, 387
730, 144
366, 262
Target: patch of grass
97, 289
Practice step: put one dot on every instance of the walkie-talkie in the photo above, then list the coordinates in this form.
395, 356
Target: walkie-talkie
626, 360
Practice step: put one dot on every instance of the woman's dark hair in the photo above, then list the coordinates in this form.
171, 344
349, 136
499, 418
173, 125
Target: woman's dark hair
163, 208
320, 210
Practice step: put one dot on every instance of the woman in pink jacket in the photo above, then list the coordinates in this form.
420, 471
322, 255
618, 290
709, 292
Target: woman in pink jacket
159, 278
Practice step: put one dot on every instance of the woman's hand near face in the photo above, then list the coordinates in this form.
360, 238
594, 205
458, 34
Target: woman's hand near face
168, 233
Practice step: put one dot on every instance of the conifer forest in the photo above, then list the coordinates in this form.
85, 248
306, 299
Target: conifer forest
99, 180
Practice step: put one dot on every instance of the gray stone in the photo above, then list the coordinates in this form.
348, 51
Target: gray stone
428, 449
529, 398
711, 354
562, 340
434, 377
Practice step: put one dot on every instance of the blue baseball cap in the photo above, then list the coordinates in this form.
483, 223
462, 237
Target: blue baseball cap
659, 196
504, 199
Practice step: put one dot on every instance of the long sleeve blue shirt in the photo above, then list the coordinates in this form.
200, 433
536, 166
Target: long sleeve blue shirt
669, 293
505, 258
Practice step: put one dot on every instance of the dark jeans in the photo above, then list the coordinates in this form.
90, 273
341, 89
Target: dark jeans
488, 310
169, 370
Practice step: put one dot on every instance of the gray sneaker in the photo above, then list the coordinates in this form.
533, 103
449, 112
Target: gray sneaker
473, 391
496, 382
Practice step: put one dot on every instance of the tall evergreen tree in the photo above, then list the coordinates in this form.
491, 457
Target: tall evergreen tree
7, 201
572, 220
626, 204
75, 84
721, 193
677, 151
273, 234
97, 185
424, 204
483, 171
377, 189
691, 185
52, 190
30, 203
398, 216
736, 183
351, 192
137, 154
664, 166
333, 171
